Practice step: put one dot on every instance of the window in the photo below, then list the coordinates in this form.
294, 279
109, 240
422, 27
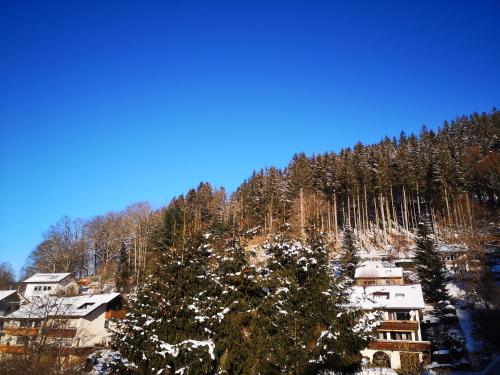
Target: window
381, 335
37, 288
381, 295
106, 324
21, 340
85, 305
400, 295
401, 315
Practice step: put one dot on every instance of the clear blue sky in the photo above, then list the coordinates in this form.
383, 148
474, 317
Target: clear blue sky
106, 103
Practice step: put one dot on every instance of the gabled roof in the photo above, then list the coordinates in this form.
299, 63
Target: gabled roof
388, 296
54, 306
373, 269
6, 293
47, 277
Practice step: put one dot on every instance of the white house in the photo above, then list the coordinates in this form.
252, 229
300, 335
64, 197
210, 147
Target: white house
75, 324
399, 344
42, 284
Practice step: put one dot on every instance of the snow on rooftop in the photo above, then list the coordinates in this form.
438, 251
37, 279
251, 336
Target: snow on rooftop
77, 306
388, 296
46, 277
374, 269
451, 248
6, 293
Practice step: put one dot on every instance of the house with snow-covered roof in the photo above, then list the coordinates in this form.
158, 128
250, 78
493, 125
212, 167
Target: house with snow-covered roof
42, 284
399, 343
75, 323
9, 302
375, 273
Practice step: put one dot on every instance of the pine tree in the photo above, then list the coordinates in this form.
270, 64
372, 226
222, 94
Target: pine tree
350, 258
430, 266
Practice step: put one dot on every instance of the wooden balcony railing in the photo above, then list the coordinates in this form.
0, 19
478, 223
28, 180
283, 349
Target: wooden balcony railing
403, 345
22, 349
115, 314
61, 332
13, 349
398, 325
21, 331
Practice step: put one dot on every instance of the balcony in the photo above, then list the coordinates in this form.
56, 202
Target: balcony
398, 325
403, 345
21, 331
115, 314
13, 349
61, 332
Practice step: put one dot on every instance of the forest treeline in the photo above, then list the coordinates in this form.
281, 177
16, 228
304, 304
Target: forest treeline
379, 190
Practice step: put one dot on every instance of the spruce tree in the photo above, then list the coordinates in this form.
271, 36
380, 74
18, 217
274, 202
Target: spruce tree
123, 274
238, 349
307, 316
430, 266
170, 321
350, 257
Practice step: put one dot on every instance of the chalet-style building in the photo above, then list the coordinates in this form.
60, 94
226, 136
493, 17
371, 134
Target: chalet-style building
374, 273
74, 324
399, 344
42, 284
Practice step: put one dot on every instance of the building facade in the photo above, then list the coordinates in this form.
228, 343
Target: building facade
42, 284
399, 343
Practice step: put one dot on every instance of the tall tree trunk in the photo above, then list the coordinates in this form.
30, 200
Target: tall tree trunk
302, 230
367, 221
469, 211
335, 222
349, 210
329, 227
359, 211
394, 213
447, 206
418, 202
388, 213
405, 210
383, 218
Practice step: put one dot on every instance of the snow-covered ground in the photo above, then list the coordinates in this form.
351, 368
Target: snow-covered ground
465, 321
457, 292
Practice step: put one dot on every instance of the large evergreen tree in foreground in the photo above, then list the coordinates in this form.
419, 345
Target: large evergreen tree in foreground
308, 317
430, 266
170, 324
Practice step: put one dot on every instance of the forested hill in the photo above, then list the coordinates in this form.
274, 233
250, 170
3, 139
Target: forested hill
380, 190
